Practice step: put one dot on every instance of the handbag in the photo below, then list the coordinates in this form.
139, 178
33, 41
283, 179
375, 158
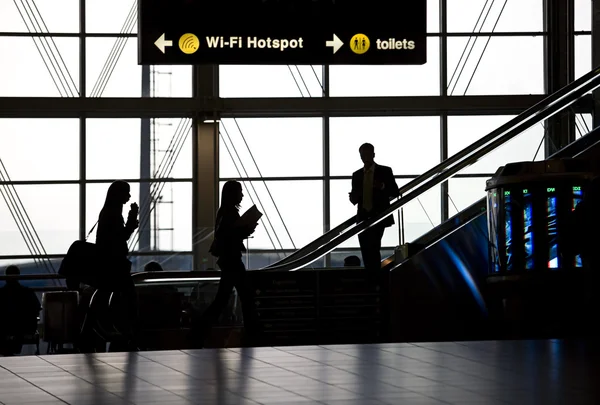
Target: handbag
81, 262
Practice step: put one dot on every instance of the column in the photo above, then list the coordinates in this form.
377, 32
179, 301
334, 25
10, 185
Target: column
559, 46
596, 57
145, 152
205, 145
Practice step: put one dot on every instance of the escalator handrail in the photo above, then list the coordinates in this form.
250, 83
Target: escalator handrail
572, 150
541, 111
551, 100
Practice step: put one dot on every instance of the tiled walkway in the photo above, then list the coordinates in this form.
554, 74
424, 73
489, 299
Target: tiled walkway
468, 373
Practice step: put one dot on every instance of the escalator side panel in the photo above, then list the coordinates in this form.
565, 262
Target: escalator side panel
437, 293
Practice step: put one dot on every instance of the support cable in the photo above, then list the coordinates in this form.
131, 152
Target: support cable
467, 46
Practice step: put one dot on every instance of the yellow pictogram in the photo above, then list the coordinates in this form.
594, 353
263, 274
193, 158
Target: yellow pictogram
360, 43
189, 43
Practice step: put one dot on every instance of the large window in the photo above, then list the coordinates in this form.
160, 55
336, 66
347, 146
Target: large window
114, 149
39, 67
583, 55
406, 144
462, 132
283, 156
38, 219
495, 65
112, 71
271, 147
111, 16
56, 16
293, 212
39, 149
499, 16
271, 81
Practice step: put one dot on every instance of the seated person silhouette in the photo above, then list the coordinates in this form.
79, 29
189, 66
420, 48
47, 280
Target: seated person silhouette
21, 320
352, 261
159, 305
153, 266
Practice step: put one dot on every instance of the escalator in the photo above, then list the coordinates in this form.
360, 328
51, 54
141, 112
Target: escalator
535, 115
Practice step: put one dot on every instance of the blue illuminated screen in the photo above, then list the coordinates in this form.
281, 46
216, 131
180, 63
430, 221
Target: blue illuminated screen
551, 228
508, 228
528, 228
577, 198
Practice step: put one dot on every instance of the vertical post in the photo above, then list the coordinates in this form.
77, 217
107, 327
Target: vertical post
444, 187
596, 58
326, 166
559, 63
206, 167
82, 123
145, 153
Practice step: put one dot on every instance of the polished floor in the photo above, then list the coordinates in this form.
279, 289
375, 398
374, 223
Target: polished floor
486, 373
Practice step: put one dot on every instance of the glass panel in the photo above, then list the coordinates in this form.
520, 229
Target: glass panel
420, 215
258, 259
583, 124
270, 81
390, 80
271, 147
464, 130
180, 262
293, 212
95, 196
39, 67
55, 16
338, 255
463, 192
395, 139
118, 140
167, 223
583, 15
583, 55
40, 149
433, 16
112, 71
496, 65
482, 15
53, 211
111, 16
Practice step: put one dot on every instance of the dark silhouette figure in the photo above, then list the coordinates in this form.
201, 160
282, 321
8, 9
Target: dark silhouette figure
111, 240
153, 266
372, 188
19, 312
352, 261
584, 239
228, 247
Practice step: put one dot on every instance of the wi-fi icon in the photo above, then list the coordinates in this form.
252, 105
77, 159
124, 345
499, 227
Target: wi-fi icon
189, 43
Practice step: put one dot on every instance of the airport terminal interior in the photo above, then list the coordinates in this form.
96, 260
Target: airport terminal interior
486, 291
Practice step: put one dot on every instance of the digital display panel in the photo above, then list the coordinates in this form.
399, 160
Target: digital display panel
577, 197
551, 228
508, 229
528, 232
493, 211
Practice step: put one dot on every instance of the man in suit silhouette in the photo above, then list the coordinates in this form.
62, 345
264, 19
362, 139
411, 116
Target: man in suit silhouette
372, 188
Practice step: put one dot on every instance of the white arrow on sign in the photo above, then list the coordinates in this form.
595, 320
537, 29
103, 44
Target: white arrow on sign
162, 44
336, 44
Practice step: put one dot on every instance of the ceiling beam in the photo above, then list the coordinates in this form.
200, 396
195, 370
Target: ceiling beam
17, 107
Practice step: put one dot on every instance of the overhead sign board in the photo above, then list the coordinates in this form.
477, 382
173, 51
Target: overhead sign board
299, 32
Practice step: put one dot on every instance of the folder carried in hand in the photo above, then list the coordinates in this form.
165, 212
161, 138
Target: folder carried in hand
250, 217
